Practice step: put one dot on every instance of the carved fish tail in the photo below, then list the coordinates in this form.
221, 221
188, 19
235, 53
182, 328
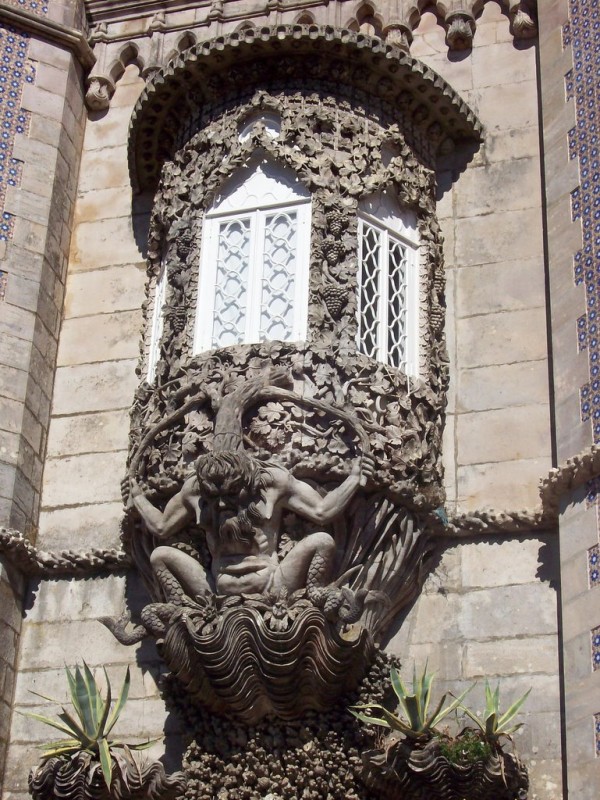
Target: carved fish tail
170, 586
155, 617
316, 579
118, 627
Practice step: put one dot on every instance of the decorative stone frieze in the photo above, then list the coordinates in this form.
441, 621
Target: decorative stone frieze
115, 29
460, 29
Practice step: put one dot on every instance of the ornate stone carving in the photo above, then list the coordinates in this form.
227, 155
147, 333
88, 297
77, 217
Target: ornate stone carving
99, 93
400, 770
80, 777
312, 758
296, 54
259, 584
398, 34
460, 29
25, 556
317, 140
522, 18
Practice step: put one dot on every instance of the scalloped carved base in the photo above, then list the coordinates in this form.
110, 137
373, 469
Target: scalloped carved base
416, 773
249, 664
79, 777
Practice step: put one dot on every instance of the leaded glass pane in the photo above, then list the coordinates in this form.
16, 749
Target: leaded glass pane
231, 284
369, 295
278, 278
397, 307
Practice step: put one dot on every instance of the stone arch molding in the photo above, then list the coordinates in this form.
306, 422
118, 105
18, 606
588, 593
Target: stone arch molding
228, 65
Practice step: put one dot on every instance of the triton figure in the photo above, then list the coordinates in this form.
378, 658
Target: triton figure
238, 501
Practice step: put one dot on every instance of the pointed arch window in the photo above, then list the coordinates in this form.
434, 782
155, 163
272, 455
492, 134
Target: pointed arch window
388, 282
253, 280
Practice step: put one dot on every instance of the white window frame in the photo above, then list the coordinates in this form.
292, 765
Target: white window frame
257, 214
404, 232
157, 325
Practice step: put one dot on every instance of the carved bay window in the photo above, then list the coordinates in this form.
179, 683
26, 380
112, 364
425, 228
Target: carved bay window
253, 281
388, 277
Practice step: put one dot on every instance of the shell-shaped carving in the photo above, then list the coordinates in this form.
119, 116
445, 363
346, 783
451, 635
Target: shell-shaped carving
245, 669
415, 772
79, 777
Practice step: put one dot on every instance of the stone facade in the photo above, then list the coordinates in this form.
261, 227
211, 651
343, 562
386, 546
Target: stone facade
514, 201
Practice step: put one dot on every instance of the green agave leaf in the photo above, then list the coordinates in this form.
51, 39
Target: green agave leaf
369, 720
44, 697
443, 713
121, 700
397, 684
414, 711
513, 710
74, 698
438, 710
105, 761
143, 745
61, 743
474, 717
509, 731
85, 702
78, 731
491, 724
60, 726
100, 732
95, 698
427, 682
60, 750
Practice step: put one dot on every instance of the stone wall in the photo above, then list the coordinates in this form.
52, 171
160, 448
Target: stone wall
42, 116
569, 39
489, 607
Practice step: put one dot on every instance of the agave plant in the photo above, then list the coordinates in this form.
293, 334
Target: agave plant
88, 729
494, 724
417, 722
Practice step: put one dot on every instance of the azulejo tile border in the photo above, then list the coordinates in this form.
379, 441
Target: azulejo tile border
594, 566
582, 33
36, 6
15, 71
595, 645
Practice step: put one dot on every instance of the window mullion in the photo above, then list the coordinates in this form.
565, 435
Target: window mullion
207, 272
383, 295
255, 278
303, 220
412, 311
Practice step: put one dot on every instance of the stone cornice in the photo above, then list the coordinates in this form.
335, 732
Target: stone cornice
569, 477
55, 32
22, 554
111, 11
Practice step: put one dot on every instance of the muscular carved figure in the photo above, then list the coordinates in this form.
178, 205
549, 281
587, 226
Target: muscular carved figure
238, 501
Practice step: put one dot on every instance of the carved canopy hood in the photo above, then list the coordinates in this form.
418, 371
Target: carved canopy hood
350, 128
350, 63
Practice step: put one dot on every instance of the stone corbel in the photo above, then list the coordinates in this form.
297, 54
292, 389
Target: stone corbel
155, 31
398, 34
99, 93
99, 33
460, 30
522, 19
216, 10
